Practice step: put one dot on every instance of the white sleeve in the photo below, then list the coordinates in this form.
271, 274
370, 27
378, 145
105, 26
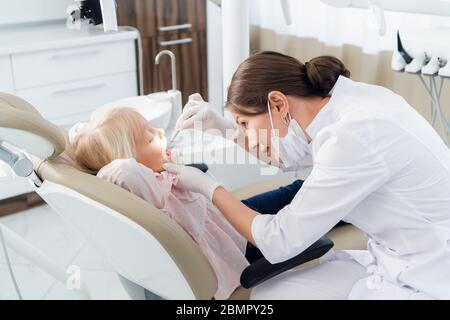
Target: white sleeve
345, 172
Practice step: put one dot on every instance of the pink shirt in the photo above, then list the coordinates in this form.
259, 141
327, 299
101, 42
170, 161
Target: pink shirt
222, 245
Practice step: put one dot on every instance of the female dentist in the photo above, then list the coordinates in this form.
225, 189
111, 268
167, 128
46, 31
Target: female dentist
376, 164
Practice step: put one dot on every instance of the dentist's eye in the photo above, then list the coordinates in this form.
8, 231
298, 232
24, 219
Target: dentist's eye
243, 125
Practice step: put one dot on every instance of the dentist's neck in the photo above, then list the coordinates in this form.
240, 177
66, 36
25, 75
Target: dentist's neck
304, 110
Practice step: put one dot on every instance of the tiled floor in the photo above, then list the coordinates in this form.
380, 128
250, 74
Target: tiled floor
65, 246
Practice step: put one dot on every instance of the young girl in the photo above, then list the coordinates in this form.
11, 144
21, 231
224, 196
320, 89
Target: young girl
118, 145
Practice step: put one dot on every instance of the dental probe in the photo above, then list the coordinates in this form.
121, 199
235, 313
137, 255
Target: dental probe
172, 138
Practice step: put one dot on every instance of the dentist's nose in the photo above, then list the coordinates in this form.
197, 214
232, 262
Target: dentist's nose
252, 138
253, 144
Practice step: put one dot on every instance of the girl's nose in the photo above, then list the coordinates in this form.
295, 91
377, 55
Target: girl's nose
161, 132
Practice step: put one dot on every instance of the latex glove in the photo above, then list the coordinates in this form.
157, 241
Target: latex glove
197, 110
192, 179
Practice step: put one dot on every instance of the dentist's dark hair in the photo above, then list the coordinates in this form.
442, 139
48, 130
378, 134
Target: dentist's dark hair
268, 71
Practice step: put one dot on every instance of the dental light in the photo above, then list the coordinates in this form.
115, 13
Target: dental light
97, 12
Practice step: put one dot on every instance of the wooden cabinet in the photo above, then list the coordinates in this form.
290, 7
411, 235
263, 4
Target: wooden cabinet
175, 25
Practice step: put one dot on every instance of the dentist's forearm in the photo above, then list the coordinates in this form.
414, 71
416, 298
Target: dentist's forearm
239, 215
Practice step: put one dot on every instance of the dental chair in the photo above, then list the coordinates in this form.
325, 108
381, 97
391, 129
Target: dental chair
153, 256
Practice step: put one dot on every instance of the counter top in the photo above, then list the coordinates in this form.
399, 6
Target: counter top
56, 35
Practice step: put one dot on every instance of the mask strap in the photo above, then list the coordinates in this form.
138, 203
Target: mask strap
270, 117
290, 119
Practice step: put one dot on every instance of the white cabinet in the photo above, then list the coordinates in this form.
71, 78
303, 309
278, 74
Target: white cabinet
65, 74
62, 65
66, 85
67, 103
6, 80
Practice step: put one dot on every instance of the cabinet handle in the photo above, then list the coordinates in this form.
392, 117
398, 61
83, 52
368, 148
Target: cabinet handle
175, 27
76, 53
175, 42
88, 87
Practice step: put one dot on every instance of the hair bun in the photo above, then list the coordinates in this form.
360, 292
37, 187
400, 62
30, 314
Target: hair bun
323, 72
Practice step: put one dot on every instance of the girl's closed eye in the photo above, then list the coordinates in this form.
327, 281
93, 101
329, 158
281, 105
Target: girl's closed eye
151, 149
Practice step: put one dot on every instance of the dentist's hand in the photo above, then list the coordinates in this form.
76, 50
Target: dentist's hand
197, 110
193, 179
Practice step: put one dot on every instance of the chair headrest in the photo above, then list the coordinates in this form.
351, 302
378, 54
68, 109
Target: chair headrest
22, 126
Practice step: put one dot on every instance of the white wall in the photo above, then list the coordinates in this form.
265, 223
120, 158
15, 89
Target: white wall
31, 11
214, 22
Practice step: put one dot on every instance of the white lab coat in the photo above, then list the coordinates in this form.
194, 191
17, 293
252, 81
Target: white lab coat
380, 166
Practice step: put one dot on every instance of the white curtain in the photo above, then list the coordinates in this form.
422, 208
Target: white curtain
336, 27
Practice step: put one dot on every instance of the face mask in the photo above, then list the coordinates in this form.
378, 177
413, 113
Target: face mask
293, 150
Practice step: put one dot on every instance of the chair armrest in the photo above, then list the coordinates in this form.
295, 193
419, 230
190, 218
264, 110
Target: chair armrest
262, 270
200, 166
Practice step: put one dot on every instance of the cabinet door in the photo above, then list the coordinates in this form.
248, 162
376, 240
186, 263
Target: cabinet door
140, 14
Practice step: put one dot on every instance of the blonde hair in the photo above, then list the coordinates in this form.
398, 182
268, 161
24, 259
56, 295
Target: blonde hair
109, 135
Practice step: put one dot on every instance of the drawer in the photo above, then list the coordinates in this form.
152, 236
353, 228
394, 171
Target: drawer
76, 100
53, 66
6, 79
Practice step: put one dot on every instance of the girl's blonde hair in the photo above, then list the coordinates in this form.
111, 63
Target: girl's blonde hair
109, 135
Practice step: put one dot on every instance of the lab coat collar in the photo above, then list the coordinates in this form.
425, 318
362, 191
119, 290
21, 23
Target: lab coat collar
328, 114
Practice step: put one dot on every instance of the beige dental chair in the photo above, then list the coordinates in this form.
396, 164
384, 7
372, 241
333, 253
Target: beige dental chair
153, 256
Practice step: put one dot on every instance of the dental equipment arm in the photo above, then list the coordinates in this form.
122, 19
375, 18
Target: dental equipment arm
285, 6
373, 5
